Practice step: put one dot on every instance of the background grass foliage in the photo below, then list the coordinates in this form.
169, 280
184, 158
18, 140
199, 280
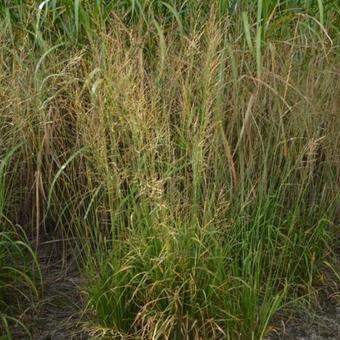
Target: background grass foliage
19, 269
187, 150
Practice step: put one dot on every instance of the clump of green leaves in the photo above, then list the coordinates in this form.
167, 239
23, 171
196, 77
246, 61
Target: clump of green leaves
19, 269
188, 150
202, 282
18, 279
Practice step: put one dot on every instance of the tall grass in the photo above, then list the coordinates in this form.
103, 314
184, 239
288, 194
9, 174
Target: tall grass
18, 264
189, 149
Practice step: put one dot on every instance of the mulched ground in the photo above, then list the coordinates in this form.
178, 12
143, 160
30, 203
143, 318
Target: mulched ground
56, 317
323, 323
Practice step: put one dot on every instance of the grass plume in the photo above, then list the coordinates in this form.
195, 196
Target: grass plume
189, 149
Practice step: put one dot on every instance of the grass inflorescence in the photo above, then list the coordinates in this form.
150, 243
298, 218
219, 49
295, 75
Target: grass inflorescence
187, 150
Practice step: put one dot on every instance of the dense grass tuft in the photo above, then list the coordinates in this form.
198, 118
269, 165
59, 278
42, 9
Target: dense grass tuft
186, 150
